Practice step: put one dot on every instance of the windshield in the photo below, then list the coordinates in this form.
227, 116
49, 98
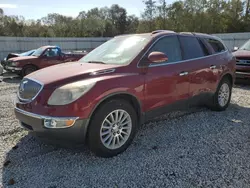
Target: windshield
27, 53
119, 50
38, 52
246, 46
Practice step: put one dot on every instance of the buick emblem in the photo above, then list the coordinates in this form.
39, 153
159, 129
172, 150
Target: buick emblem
21, 88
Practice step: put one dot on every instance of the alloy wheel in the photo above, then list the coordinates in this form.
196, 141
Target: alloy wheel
116, 129
224, 94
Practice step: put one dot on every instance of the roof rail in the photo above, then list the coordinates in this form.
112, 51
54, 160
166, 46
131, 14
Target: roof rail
158, 31
196, 33
190, 33
193, 33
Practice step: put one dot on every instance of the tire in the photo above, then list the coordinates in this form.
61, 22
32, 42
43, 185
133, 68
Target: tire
97, 143
28, 69
216, 104
1, 70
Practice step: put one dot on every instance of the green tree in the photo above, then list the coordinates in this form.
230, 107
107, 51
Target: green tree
161, 20
149, 14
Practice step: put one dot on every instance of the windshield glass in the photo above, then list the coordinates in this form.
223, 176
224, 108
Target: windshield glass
119, 50
27, 53
38, 52
246, 46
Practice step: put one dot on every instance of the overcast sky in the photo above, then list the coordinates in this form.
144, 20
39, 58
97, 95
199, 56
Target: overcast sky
34, 9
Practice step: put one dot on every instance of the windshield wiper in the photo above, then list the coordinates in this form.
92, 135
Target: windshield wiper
97, 62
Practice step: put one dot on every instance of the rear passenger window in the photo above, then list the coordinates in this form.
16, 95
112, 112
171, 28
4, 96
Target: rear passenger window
216, 45
170, 46
204, 47
191, 47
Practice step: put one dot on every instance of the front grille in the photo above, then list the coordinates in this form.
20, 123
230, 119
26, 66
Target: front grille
28, 89
8, 62
243, 62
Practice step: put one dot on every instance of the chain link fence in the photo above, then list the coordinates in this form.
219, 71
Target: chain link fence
234, 39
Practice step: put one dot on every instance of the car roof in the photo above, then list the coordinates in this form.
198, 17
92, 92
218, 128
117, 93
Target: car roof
159, 33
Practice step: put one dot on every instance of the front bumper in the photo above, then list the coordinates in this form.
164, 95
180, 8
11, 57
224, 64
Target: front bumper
34, 123
13, 68
242, 74
3, 63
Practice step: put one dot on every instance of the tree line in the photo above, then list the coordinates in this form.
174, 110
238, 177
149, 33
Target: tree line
206, 16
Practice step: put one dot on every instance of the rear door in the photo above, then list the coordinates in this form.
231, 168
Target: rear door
198, 65
218, 61
166, 83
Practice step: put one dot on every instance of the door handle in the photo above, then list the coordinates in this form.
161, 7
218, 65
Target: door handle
212, 67
183, 73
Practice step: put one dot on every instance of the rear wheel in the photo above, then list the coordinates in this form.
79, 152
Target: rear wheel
112, 128
28, 69
222, 97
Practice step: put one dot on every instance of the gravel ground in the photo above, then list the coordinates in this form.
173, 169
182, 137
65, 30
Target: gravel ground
194, 149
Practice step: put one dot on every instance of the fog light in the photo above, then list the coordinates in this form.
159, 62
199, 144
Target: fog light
58, 123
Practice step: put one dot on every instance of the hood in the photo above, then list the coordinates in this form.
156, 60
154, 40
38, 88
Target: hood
242, 54
11, 55
67, 71
20, 58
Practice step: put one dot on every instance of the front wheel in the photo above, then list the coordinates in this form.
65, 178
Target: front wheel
112, 128
222, 97
28, 70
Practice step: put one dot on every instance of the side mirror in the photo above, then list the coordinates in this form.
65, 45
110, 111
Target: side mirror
157, 57
235, 48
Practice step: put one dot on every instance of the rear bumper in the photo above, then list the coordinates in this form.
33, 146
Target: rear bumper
34, 123
242, 74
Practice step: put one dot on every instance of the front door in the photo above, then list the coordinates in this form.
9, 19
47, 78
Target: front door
166, 83
50, 57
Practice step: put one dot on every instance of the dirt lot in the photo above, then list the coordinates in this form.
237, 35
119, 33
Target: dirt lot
193, 149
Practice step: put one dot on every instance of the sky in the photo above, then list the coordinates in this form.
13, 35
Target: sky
35, 9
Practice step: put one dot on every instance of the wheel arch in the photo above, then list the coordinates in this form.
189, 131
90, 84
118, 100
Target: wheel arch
30, 64
229, 76
132, 99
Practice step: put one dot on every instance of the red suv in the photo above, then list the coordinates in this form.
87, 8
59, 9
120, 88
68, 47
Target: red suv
242, 55
103, 98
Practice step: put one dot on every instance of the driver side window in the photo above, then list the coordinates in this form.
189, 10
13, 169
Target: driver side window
170, 46
52, 52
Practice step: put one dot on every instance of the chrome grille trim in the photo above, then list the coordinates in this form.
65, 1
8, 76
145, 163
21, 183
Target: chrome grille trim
242, 61
29, 100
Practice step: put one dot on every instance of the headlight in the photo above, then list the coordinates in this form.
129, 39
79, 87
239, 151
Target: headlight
70, 92
14, 63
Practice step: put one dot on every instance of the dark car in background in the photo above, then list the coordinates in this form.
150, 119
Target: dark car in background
44, 56
242, 56
104, 97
